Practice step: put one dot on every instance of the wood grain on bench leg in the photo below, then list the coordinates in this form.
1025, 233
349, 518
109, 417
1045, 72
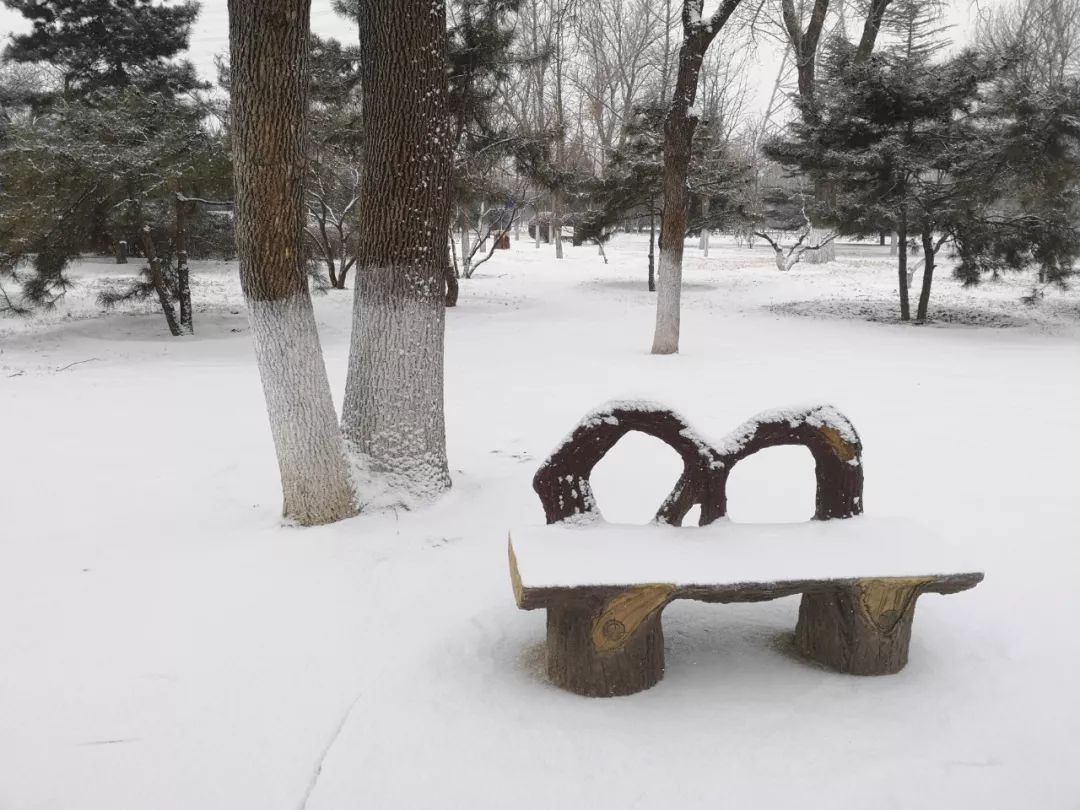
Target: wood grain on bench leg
860, 629
604, 648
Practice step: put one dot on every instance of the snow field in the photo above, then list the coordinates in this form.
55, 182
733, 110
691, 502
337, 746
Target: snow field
166, 643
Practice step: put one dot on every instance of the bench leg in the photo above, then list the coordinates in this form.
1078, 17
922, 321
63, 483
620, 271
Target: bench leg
577, 662
861, 629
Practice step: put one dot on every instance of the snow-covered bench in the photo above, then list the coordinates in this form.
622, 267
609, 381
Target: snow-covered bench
605, 586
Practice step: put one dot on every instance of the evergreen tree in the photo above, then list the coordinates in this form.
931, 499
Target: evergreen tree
888, 136
107, 44
128, 168
632, 182
1030, 156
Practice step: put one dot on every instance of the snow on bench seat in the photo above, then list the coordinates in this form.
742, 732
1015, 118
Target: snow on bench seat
727, 561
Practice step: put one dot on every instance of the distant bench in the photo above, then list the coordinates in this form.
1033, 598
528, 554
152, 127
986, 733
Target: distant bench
605, 586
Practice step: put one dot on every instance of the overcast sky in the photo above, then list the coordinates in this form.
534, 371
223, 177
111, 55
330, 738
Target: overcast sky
211, 36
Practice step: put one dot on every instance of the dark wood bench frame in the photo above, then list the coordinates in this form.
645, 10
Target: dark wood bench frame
608, 640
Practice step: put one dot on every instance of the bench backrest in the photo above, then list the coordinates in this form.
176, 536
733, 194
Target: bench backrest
562, 482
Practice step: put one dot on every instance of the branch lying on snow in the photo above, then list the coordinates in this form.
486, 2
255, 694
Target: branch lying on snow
77, 363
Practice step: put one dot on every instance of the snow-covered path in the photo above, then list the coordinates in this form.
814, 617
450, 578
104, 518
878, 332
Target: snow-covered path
165, 643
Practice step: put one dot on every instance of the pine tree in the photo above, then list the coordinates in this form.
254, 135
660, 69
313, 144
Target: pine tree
632, 181
888, 135
130, 167
107, 44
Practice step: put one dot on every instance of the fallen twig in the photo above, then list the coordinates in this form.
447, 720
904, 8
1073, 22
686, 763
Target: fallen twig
77, 363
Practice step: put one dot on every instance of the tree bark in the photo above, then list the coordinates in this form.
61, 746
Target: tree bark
901, 261
805, 43
393, 414
183, 272
157, 278
679, 126
871, 27
268, 49
652, 245
704, 240
929, 256
450, 274
466, 246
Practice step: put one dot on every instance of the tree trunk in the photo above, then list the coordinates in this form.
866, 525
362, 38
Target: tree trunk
466, 246
268, 45
679, 126
393, 414
704, 241
157, 278
892, 243
678, 136
901, 264
328, 251
121, 252
183, 272
823, 254
556, 223
652, 245
451, 280
928, 272
875, 14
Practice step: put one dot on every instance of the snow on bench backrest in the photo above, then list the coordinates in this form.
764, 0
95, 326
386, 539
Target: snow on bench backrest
562, 482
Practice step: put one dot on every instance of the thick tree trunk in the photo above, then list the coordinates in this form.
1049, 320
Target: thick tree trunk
393, 414
901, 264
183, 272
928, 273
268, 44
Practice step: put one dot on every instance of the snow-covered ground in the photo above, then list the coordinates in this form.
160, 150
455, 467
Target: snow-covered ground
166, 643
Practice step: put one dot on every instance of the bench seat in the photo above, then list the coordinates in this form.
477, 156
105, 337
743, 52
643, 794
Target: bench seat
604, 587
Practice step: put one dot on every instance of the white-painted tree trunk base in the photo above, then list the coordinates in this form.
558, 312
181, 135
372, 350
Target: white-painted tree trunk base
668, 303
314, 478
704, 243
393, 414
